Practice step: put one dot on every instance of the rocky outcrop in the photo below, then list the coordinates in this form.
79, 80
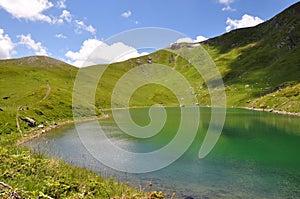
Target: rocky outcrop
31, 122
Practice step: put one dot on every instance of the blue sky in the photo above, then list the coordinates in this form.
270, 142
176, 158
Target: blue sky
68, 30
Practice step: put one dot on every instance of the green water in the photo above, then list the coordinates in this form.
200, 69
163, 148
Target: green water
257, 155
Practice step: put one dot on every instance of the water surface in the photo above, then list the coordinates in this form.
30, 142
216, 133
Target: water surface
257, 155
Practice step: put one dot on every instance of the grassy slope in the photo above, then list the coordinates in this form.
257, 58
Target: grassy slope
24, 82
264, 57
256, 65
260, 66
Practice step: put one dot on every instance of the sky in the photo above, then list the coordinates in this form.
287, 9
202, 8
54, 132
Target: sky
70, 30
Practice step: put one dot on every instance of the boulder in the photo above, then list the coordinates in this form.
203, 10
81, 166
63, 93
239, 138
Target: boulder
31, 122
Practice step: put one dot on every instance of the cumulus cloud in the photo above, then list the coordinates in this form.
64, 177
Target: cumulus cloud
61, 4
94, 51
60, 36
228, 8
200, 38
66, 15
6, 45
30, 9
185, 40
27, 41
227, 3
189, 40
126, 14
80, 25
246, 21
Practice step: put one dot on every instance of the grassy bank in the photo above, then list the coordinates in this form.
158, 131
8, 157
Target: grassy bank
34, 176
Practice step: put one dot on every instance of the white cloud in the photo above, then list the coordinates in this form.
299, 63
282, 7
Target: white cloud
189, 40
82, 26
185, 40
6, 45
57, 21
66, 15
126, 14
27, 41
246, 21
94, 51
30, 9
60, 36
61, 4
228, 8
227, 3
200, 38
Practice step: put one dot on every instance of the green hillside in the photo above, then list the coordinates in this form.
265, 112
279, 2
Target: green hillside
36, 87
260, 67
255, 63
261, 60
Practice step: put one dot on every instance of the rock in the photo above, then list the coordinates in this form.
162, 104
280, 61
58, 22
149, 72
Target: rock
41, 126
139, 61
1, 109
149, 60
43, 131
13, 194
31, 122
6, 98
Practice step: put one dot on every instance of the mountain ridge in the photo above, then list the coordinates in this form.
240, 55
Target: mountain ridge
254, 70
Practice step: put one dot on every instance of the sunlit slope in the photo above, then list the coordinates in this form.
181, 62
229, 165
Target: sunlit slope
260, 67
35, 87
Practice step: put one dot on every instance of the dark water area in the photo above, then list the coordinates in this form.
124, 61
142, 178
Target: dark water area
256, 156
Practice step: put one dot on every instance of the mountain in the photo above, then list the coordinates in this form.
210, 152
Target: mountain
38, 87
260, 67
265, 57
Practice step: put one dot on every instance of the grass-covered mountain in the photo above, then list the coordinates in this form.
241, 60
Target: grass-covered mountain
37, 87
260, 67
266, 58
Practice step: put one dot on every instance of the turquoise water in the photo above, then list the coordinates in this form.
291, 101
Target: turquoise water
257, 155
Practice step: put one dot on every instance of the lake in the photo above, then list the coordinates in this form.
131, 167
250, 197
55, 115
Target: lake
256, 156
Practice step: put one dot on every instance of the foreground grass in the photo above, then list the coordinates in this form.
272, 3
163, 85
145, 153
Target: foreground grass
26, 174
34, 176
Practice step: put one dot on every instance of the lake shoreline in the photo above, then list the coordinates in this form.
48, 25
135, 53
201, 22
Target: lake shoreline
42, 131
37, 132
272, 111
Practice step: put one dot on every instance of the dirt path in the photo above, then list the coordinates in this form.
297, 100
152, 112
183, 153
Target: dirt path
17, 123
47, 93
175, 62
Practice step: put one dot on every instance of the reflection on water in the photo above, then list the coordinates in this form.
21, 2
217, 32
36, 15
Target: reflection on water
257, 155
